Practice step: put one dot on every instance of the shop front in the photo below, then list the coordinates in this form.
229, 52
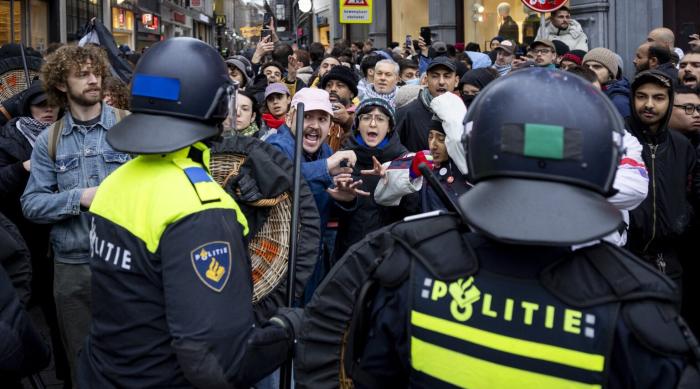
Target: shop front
148, 30
32, 13
123, 27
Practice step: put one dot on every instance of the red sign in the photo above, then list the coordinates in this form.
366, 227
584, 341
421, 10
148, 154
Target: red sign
179, 17
544, 5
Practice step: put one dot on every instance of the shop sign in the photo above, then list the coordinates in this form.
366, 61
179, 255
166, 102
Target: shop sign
220, 20
543, 6
251, 32
179, 17
195, 3
149, 23
356, 11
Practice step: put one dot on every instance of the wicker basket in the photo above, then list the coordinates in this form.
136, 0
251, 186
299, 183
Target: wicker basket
13, 82
269, 249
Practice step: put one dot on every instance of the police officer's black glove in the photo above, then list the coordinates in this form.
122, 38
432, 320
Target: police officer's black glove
244, 188
290, 319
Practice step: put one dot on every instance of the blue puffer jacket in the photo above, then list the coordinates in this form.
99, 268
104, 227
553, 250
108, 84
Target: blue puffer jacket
314, 169
619, 92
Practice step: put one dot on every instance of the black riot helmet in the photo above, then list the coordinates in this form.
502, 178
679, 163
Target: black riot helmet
180, 94
542, 149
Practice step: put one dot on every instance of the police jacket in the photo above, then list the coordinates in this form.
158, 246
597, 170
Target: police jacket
659, 221
454, 309
171, 282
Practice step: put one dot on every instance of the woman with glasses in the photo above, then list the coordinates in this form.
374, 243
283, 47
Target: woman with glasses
373, 138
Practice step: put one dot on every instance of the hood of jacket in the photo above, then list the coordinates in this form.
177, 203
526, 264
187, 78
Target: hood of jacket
636, 126
618, 87
574, 29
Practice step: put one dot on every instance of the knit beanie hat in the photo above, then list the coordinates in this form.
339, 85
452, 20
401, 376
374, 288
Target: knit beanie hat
406, 94
478, 77
560, 47
342, 74
604, 57
368, 104
437, 126
572, 57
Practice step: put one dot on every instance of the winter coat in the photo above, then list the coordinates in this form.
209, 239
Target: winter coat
22, 348
658, 223
573, 36
619, 92
368, 216
305, 73
509, 29
412, 125
670, 70
14, 150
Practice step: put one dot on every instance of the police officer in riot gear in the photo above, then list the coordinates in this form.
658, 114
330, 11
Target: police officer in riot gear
510, 304
171, 277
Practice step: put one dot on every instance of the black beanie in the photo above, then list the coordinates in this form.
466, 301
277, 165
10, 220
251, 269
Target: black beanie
437, 126
478, 77
342, 74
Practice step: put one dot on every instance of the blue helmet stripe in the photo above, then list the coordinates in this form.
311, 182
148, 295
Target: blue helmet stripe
157, 87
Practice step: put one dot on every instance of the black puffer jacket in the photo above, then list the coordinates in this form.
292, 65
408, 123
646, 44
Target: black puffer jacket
658, 223
412, 124
14, 150
368, 216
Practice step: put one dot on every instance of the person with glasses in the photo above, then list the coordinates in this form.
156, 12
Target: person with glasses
373, 141
685, 116
544, 53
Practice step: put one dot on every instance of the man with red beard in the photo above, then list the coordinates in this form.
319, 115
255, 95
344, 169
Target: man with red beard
68, 162
689, 69
319, 165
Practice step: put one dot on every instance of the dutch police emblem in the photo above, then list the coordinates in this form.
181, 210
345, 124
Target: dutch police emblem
212, 263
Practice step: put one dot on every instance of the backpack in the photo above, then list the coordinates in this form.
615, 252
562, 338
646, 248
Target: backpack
56, 128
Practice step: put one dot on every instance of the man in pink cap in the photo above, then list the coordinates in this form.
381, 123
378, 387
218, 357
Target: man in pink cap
319, 166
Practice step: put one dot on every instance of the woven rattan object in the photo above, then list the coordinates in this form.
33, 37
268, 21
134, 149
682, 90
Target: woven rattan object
13, 82
269, 249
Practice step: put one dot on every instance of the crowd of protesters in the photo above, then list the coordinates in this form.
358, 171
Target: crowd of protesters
372, 115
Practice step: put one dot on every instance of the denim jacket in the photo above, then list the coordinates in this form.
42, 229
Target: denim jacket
83, 159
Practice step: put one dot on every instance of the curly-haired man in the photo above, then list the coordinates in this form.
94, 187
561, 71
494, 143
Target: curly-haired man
69, 161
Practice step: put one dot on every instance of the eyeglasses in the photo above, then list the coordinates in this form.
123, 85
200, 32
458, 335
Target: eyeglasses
378, 118
689, 108
541, 51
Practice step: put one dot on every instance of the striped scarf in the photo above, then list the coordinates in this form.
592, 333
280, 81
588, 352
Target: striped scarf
390, 97
30, 128
502, 70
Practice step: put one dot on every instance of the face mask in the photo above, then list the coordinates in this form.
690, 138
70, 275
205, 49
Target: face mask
468, 99
413, 81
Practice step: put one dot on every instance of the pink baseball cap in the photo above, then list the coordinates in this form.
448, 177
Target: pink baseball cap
313, 99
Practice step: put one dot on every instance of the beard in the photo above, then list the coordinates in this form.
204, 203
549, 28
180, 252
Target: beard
83, 99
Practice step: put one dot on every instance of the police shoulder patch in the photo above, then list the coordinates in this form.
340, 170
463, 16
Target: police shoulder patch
212, 263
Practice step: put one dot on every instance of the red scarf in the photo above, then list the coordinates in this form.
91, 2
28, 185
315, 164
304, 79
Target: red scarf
272, 121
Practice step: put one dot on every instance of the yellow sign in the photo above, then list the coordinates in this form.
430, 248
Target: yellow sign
250, 32
356, 11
